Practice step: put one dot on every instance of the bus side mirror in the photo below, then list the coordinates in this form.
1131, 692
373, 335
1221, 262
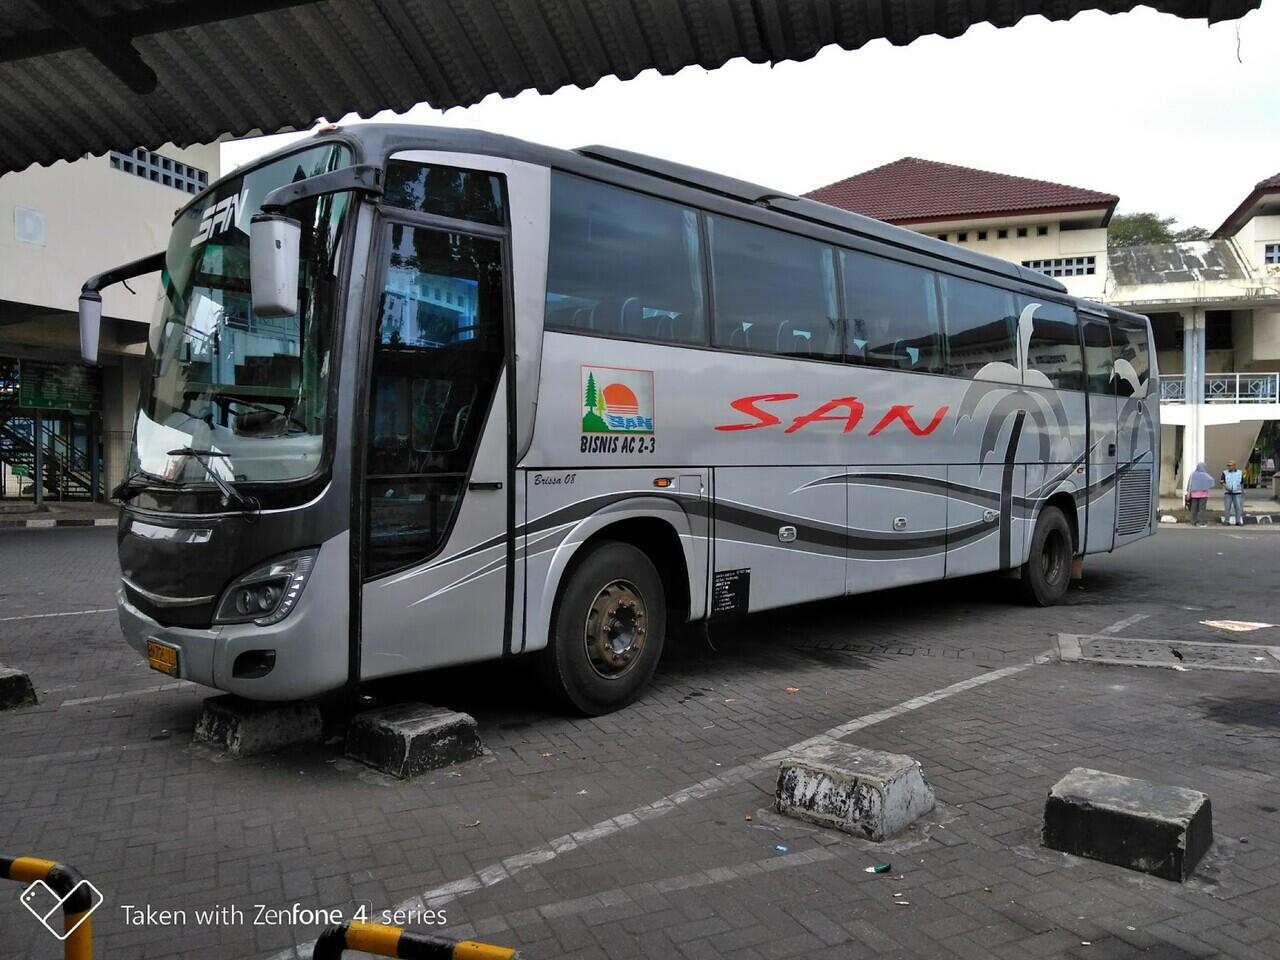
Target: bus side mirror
90, 325
274, 243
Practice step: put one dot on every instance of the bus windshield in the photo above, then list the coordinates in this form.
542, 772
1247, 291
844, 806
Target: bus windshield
246, 396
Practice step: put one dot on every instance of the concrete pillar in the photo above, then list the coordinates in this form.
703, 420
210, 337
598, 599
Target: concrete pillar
1193, 347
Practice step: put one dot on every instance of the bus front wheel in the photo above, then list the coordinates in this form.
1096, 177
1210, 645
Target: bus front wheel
607, 629
1047, 572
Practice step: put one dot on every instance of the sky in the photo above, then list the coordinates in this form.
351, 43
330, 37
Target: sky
1171, 115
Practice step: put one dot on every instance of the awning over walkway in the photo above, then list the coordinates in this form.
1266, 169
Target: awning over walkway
87, 76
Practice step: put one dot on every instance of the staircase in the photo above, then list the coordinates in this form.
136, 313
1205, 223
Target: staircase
67, 473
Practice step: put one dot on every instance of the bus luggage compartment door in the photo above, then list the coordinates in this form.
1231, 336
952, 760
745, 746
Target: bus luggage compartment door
780, 536
897, 526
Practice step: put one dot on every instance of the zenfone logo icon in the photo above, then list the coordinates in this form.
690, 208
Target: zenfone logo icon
222, 216
44, 905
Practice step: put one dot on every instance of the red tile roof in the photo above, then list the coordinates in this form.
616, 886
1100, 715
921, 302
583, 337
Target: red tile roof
911, 190
1241, 214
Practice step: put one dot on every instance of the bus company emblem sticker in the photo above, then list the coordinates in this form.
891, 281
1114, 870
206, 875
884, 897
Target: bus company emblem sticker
616, 400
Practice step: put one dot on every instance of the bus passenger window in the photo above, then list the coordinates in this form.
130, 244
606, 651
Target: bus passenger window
774, 292
1097, 356
980, 324
624, 264
1129, 339
892, 312
1054, 349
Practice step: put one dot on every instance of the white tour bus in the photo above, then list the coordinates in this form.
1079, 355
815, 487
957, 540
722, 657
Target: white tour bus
462, 397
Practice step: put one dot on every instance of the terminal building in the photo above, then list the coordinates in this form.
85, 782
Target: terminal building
61, 420
1214, 304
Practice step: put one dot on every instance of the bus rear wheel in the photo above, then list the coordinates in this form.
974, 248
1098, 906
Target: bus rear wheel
1047, 572
607, 629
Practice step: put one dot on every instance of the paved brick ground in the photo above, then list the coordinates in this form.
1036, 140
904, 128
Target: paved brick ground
628, 836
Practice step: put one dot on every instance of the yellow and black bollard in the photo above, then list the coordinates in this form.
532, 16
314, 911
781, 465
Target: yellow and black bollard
386, 941
76, 895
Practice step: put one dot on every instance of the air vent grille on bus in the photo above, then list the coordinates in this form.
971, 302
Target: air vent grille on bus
1133, 510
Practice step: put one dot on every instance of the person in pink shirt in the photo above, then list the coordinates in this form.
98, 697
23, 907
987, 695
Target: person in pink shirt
1198, 486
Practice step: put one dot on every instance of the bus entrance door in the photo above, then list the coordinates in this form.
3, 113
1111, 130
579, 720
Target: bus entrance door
1137, 436
437, 553
1100, 506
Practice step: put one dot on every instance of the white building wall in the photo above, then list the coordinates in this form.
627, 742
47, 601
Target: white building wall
93, 218
1252, 240
1057, 243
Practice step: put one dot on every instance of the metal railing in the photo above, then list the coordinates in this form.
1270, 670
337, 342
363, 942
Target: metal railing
1173, 388
1224, 388
386, 941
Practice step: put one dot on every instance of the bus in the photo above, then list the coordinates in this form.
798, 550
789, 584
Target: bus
420, 397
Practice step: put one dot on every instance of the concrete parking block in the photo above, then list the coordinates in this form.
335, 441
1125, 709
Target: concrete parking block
15, 688
407, 739
1150, 827
863, 792
246, 727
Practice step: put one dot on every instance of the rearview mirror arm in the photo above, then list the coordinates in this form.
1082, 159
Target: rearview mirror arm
365, 178
91, 299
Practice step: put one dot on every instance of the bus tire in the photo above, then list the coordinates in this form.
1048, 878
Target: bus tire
607, 629
1047, 572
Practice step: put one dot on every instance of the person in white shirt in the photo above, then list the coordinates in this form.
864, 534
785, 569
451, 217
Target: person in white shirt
1232, 481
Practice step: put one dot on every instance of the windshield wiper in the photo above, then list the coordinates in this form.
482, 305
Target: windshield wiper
229, 492
139, 480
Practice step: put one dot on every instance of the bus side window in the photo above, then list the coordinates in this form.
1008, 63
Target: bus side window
892, 312
623, 264
446, 192
1054, 349
980, 323
774, 292
1097, 356
1129, 342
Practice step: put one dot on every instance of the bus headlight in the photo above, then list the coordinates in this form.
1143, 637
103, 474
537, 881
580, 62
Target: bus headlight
267, 594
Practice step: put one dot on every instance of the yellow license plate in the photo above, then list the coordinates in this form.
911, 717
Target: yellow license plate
162, 657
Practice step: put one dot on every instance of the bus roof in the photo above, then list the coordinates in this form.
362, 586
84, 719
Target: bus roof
376, 141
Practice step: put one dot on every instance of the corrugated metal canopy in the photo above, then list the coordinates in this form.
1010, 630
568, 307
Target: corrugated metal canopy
87, 76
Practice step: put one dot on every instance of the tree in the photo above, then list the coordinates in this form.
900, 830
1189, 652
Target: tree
1136, 229
591, 399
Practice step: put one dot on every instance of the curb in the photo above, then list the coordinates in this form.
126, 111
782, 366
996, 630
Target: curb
47, 522
1215, 520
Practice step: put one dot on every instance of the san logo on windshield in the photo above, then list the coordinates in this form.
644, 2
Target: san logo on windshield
222, 216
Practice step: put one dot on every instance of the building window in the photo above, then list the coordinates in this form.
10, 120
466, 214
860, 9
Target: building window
962, 237
982, 234
1064, 266
1042, 231
1002, 234
160, 169
1271, 253
942, 236
1022, 231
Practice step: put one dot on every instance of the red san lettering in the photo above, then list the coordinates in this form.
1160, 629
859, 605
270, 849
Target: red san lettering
853, 413
902, 411
747, 405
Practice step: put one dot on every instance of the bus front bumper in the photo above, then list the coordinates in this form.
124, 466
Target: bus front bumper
309, 659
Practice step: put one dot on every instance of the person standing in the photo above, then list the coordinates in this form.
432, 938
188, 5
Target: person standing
1198, 486
1232, 480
